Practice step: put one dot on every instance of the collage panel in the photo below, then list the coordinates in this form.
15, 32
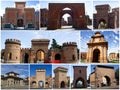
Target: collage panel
40, 76
61, 76
104, 76
40, 47
14, 76
100, 46
65, 15
80, 78
106, 15
20, 14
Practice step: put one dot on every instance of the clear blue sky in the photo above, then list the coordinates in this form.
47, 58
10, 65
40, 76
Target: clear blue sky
26, 36
115, 66
111, 36
112, 3
11, 3
47, 67
88, 4
23, 70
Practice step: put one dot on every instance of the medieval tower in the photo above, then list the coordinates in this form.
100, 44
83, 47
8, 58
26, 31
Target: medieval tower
70, 52
12, 51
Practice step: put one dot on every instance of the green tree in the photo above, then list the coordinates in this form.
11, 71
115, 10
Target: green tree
117, 75
54, 44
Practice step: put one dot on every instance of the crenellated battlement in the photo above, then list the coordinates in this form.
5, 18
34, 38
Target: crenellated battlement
13, 41
40, 70
25, 49
69, 44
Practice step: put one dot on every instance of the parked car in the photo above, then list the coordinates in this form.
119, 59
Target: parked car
8, 26
30, 26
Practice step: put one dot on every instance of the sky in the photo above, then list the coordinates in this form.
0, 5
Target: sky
22, 70
26, 36
115, 67
11, 3
113, 4
111, 36
47, 67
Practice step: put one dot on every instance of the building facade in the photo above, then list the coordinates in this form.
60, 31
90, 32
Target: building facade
40, 80
20, 15
97, 49
61, 80
104, 16
13, 80
39, 52
103, 76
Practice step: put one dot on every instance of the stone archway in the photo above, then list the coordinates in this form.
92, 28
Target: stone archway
96, 55
20, 23
106, 81
57, 57
26, 58
80, 83
56, 10
102, 24
62, 84
80, 77
40, 55
41, 84
97, 49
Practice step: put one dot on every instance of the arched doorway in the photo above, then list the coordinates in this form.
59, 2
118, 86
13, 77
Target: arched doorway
33, 83
40, 55
62, 84
79, 83
26, 57
106, 81
41, 84
102, 24
66, 18
9, 55
96, 55
57, 57
20, 23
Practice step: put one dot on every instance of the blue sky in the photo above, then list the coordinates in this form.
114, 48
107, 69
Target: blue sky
115, 67
47, 67
26, 36
88, 4
23, 70
111, 36
113, 4
11, 3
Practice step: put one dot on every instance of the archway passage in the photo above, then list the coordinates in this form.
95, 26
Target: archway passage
62, 84
106, 81
102, 24
57, 57
76, 10
96, 55
79, 83
41, 84
26, 57
66, 18
40, 55
9, 56
20, 23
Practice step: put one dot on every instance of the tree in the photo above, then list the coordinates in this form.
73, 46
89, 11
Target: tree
117, 75
54, 44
